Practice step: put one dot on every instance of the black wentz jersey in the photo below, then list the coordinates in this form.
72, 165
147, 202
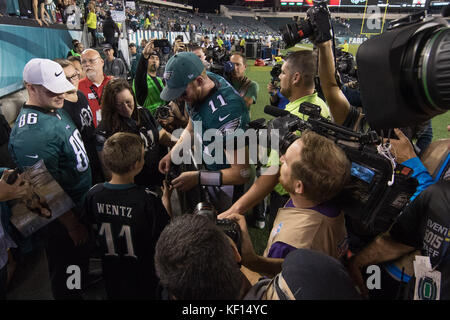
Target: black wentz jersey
425, 225
130, 219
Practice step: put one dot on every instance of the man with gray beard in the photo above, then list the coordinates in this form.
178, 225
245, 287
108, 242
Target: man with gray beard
94, 82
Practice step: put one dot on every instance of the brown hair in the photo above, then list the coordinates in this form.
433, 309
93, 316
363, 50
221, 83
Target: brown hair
121, 152
323, 167
304, 62
63, 63
244, 59
111, 118
74, 58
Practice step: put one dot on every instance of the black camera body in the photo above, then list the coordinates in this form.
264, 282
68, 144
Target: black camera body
163, 112
229, 227
404, 73
346, 66
221, 63
317, 25
275, 73
370, 201
161, 43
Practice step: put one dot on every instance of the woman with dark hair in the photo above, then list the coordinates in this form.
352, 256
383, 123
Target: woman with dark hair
77, 106
120, 113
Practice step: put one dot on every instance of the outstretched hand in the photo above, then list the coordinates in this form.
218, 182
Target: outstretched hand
402, 148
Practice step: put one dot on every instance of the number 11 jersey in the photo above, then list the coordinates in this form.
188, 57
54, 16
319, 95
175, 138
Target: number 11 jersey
130, 219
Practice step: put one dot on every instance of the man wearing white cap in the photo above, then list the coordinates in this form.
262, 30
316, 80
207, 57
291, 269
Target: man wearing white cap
44, 131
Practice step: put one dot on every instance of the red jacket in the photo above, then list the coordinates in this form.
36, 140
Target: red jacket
85, 86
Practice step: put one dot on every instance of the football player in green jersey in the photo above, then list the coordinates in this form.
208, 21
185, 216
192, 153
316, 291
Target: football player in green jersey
214, 106
44, 131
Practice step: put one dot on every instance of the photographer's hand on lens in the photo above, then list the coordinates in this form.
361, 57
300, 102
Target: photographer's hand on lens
402, 148
186, 180
12, 191
249, 257
227, 214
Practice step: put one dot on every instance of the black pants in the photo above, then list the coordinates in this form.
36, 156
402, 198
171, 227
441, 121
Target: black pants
62, 253
114, 44
26, 8
94, 37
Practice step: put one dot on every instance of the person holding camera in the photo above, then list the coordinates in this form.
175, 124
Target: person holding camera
213, 103
423, 225
296, 84
314, 171
129, 218
276, 98
173, 115
247, 88
146, 84
196, 260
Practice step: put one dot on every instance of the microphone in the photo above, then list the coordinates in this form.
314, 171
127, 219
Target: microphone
276, 112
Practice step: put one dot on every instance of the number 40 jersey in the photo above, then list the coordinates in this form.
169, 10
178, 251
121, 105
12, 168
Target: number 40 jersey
52, 136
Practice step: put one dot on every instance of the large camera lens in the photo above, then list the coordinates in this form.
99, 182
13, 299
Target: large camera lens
163, 112
426, 68
296, 32
404, 73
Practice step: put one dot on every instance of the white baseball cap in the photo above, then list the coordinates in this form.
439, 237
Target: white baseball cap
47, 73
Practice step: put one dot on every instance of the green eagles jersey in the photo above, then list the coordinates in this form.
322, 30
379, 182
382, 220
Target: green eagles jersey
54, 138
224, 111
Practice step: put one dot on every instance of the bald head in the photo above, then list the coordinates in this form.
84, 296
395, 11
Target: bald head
92, 65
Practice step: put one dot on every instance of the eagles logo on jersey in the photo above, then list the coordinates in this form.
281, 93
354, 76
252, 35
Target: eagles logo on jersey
230, 127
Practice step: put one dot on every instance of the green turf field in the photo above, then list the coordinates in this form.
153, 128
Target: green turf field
262, 76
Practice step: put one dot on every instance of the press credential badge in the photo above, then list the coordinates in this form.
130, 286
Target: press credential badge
428, 282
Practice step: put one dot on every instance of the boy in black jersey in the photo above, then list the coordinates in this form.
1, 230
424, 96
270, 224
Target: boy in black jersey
130, 219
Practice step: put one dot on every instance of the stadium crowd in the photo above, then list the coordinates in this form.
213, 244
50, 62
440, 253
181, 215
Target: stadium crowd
118, 141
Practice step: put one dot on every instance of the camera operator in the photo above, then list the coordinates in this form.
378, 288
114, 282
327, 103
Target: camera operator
314, 170
421, 226
296, 84
173, 115
147, 85
195, 260
276, 98
214, 104
273, 88
247, 88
